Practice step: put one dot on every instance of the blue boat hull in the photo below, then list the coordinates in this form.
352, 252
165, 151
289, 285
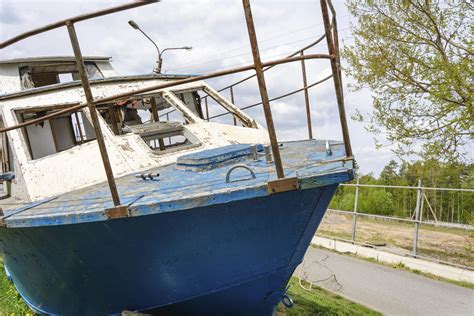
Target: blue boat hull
231, 258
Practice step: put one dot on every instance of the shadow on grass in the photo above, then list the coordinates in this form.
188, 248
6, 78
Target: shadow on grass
319, 302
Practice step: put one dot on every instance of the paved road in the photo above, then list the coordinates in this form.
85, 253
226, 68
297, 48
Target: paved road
385, 289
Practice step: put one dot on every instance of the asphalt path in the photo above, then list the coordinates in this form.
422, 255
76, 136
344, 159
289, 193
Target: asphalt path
385, 289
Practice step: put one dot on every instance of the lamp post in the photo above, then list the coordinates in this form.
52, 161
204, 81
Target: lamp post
159, 61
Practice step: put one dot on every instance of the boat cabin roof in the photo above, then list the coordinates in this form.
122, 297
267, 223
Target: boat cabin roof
50, 59
26, 76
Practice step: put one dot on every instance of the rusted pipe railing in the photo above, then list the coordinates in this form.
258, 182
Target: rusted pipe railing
75, 19
270, 67
335, 67
163, 86
263, 89
93, 113
231, 86
233, 102
69, 23
211, 75
259, 67
306, 98
277, 98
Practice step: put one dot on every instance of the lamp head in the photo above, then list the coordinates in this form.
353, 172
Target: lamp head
133, 24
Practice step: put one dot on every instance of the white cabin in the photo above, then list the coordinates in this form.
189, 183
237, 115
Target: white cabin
61, 154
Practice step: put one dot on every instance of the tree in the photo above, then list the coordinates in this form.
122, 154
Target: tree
417, 58
389, 173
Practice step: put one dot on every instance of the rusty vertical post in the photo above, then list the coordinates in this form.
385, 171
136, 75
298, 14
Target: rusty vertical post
93, 113
263, 89
113, 119
306, 98
336, 75
156, 118
207, 108
232, 100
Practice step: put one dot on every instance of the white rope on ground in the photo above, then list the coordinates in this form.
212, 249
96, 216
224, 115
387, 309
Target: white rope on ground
329, 281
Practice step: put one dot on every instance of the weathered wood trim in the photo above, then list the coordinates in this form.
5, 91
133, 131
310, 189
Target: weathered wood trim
283, 185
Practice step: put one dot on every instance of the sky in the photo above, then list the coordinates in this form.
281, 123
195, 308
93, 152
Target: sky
216, 30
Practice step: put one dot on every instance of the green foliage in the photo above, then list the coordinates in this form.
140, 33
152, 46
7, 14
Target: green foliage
377, 201
417, 59
10, 301
447, 206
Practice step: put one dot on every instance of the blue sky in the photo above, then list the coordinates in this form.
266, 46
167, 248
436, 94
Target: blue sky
216, 31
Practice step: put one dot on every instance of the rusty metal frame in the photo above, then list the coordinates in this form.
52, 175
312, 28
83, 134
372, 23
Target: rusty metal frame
78, 18
333, 47
258, 66
130, 93
93, 113
263, 88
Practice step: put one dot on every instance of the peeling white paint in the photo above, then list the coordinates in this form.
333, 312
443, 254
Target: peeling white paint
81, 166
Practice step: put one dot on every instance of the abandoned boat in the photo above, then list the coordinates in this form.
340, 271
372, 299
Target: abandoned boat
199, 222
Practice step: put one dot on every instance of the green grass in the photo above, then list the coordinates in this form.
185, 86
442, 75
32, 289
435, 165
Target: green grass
10, 301
319, 302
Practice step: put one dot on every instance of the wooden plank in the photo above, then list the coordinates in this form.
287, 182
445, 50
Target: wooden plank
283, 185
117, 212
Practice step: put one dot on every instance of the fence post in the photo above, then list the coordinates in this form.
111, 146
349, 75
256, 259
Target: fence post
356, 203
417, 217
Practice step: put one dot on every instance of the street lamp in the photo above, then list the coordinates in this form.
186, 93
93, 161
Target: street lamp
159, 61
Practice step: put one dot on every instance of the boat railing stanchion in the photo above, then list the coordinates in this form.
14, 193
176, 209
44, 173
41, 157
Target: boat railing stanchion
306, 97
263, 89
282, 184
268, 154
333, 48
93, 113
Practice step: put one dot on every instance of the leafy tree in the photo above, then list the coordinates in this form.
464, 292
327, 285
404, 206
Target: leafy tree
389, 173
376, 201
416, 56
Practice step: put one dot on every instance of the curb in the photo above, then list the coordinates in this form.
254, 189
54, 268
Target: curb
440, 270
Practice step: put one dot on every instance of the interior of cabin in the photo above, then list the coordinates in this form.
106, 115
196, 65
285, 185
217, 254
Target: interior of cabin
45, 74
155, 119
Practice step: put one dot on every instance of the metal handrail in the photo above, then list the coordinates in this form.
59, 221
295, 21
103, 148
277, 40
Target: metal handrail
406, 187
130, 93
265, 69
258, 66
78, 18
277, 98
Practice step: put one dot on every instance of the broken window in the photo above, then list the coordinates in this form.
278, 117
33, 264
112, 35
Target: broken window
5, 151
154, 119
40, 75
56, 134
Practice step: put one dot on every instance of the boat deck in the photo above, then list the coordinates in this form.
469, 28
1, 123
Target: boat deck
180, 187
